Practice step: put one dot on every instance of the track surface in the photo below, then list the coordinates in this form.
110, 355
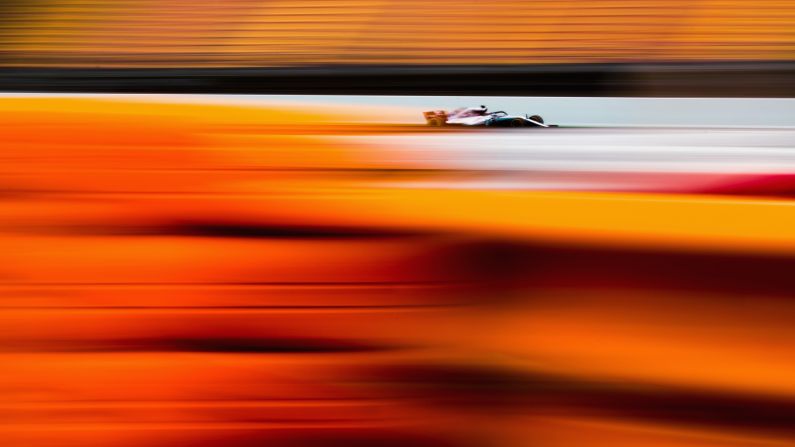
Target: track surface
205, 275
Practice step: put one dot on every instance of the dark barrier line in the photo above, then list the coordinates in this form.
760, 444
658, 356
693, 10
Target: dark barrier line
725, 79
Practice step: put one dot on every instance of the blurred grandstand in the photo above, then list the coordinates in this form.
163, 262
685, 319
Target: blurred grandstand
654, 47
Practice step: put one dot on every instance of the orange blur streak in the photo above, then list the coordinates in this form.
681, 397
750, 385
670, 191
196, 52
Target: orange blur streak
104, 310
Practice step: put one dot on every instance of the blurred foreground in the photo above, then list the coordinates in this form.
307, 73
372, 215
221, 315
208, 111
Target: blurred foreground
196, 274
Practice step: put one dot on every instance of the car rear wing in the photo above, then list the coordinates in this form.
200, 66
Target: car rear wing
435, 117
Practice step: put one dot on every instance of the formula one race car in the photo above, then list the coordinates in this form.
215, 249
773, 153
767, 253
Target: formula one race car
480, 116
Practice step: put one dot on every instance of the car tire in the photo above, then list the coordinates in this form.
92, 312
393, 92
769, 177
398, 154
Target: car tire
517, 122
435, 122
537, 118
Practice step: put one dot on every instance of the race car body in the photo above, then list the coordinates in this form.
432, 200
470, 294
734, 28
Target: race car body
480, 116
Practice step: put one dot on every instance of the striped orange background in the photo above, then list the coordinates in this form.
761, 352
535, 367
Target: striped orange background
233, 33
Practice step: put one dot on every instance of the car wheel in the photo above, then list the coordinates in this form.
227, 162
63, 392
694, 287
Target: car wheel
537, 118
434, 122
517, 122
